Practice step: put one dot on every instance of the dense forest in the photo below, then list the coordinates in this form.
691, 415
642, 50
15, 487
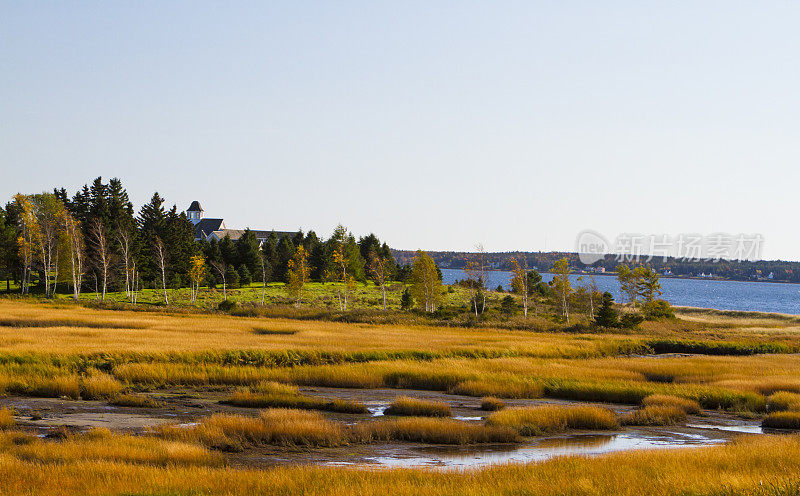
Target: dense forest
94, 240
782, 271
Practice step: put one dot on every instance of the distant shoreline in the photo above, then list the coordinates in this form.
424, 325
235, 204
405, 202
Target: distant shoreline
614, 274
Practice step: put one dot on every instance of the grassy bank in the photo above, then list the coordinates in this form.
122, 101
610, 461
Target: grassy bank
748, 466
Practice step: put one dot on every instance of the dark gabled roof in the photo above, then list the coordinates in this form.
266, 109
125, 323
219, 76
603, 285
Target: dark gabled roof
195, 207
206, 226
235, 234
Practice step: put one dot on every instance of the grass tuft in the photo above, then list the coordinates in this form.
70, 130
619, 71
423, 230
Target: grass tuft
266, 331
783, 400
248, 399
492, 404
415, 407
539, 420
275, 426
655, 415
782, 420
99, 386
431, 430
135, 400
685, 404
6, 418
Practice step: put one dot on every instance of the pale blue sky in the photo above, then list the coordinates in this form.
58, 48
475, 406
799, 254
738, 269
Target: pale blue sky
434, 124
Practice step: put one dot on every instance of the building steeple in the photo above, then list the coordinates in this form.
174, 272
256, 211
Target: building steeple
195, 212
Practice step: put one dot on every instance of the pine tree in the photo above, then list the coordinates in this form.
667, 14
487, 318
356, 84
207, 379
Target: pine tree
247, 253
245, 277
270, 251
228, 250
406, 300
152, 223
607, 315
286, 251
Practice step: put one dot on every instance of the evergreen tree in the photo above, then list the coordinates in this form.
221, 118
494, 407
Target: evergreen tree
508, 306
179, 241
228, 250
9, 260
152, 223
232, 277
270, 251
245, 277
285, 253
350, 250
406, 300
607, 315
320, 260
247, 253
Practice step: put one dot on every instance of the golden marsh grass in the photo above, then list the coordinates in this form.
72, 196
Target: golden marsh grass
548, 419
744, 467
416, 407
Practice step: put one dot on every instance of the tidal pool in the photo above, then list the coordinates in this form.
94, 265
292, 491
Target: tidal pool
543, 449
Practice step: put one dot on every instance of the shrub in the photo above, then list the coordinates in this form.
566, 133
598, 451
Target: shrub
685, 404
630, 320
227, 305
657, 310
538, 420
418, 408
265, 331
6, 418
135, 400
782, 420
655, 415
492, 404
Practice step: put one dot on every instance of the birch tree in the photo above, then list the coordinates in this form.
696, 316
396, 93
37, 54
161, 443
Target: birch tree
28, 238
426, 287
102, 254
476, 271
627, 285
266, 272
297, 275
519, 283
562, 286
221, 268
75, 247
160, 254
197, 271
48, 210
124, 245
342, 275
646, 281
380, 268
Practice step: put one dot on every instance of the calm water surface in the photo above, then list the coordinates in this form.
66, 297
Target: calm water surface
722, 295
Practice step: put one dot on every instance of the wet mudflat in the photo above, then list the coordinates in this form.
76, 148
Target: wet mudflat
186, 407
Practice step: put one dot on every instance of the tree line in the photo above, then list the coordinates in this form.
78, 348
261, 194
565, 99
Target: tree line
94, 240
745, 270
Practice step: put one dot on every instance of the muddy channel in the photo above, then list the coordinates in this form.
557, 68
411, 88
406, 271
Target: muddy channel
42, 415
